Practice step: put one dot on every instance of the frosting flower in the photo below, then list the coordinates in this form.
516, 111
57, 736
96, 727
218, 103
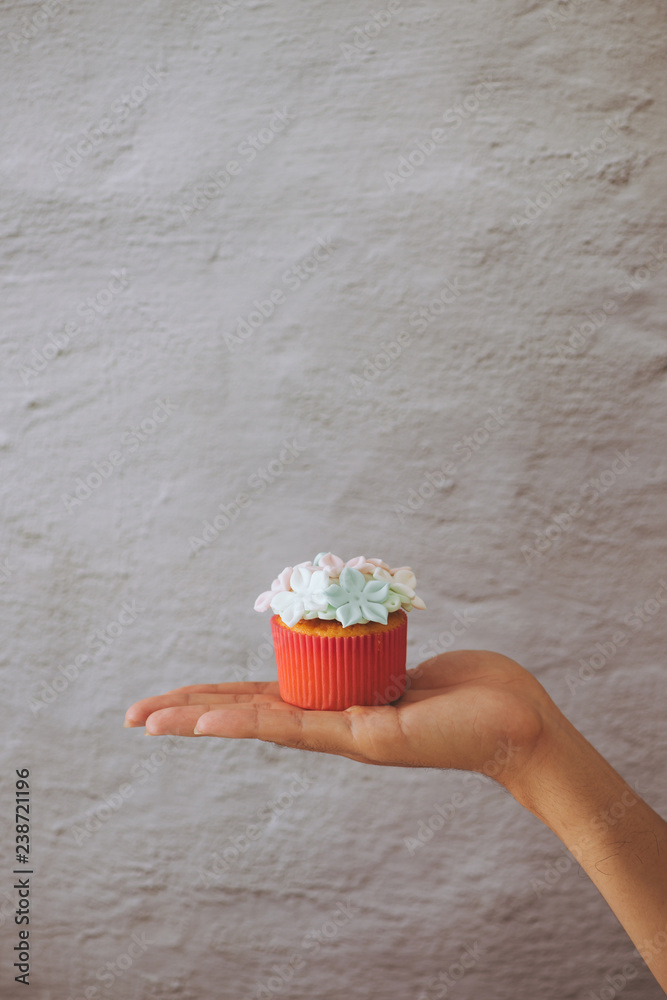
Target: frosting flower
358, 600
327, 560
401, 588
361, 563
380, 563
281, 583
306, 594
353, 592
405, 576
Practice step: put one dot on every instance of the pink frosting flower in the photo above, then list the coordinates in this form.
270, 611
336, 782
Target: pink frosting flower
280, 584
331, 562
361, 563
380, 563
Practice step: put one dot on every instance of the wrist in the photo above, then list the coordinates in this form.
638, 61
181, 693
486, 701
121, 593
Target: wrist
567, 784
530, 783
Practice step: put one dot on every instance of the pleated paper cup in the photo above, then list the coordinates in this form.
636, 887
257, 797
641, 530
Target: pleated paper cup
322, 665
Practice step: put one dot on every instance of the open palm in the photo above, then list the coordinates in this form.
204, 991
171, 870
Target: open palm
472, 710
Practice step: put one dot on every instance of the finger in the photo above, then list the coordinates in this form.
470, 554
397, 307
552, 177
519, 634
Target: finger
326, 732
137, 713
173, 721
181, 720
233, 687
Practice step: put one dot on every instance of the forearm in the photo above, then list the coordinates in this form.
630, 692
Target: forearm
613, 834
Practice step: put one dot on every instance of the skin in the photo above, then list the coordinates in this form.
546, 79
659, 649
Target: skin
475, 711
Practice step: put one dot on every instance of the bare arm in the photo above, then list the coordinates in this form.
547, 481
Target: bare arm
477, 711
619, 841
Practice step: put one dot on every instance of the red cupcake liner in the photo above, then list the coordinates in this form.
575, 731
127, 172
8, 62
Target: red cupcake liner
332, 673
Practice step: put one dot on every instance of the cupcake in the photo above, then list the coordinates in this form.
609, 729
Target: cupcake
340, 631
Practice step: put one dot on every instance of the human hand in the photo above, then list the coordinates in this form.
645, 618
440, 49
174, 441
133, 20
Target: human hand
476, 711
466, 710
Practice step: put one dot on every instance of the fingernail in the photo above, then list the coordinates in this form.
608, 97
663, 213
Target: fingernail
128, 725
197, 732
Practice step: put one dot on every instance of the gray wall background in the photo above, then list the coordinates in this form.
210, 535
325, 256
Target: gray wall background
520, 268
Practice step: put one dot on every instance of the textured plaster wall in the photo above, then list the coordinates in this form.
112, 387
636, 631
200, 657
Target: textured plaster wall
513, 261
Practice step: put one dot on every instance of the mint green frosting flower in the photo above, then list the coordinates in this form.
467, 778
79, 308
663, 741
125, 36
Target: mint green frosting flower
358, 600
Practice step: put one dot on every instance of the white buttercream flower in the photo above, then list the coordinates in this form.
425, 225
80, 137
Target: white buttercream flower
307, 594
281, 583
327, 615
